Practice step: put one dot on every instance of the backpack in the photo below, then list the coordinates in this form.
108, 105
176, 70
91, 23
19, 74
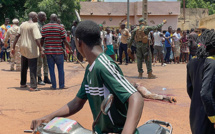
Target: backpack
140, 35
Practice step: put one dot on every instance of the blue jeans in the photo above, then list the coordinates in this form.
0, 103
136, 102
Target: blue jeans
57, 59
168, 50
3, 51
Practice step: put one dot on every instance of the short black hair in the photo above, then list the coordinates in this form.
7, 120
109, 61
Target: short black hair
192, 29
178, 29
188, 31
89, 32
75, 21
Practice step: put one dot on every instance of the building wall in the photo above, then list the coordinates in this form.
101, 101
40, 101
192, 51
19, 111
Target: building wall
113, 12
192, 17
208, 22
171, 21
113, 21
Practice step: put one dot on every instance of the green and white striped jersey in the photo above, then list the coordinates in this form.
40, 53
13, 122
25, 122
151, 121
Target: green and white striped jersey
102, 78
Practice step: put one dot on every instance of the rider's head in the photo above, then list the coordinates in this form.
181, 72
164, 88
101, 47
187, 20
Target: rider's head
87, 36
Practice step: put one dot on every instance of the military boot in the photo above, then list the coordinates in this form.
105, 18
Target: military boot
46, 80
40, 82
140, 75
151, 76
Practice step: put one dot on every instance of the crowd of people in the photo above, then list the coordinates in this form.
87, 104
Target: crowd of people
35, 44
166, 47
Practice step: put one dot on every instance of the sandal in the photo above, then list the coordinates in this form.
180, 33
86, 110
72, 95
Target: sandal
52, 88
33, 89
23, 86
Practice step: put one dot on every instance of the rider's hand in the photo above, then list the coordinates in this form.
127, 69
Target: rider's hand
164, 21
36, 123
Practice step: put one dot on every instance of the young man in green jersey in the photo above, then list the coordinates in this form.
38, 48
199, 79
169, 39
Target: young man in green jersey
102, 77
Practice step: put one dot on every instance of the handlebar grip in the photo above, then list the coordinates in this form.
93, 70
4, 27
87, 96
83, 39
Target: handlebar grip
161, 122
28, 131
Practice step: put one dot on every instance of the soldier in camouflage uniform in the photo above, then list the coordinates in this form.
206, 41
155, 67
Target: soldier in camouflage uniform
11, 34
140, 35
42, 61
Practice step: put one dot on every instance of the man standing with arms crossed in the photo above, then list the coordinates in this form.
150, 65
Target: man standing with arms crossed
42, 60
30, 49
11, 34
140, 35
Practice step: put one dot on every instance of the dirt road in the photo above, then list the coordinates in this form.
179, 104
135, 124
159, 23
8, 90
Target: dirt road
18, 107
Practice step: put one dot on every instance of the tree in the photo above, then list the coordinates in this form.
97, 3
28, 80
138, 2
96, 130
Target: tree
65, 9
209, 4
11, 9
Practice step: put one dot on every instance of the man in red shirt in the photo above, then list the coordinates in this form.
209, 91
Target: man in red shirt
52, 36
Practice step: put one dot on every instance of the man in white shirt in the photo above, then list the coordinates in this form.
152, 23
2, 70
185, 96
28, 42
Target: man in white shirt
109, 44
30, 48
176, 46
158, 47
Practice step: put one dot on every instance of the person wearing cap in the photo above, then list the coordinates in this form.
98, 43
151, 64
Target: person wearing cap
11, 34
140, 35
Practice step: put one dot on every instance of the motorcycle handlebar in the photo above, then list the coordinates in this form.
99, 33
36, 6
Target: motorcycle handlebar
28, 131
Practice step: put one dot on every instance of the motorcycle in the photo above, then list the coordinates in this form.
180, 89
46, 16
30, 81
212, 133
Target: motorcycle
60, 125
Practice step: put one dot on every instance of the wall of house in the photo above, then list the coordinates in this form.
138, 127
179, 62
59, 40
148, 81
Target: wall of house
208, 22
113, 21
192, 18
171, 21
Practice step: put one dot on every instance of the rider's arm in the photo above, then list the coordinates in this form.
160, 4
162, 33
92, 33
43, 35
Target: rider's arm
135, 106
69, 109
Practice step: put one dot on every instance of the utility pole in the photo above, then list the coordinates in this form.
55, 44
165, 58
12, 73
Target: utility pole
145, 10
184, 10
128, 14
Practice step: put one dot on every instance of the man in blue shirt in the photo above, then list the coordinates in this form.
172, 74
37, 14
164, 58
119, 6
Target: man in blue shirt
168, 44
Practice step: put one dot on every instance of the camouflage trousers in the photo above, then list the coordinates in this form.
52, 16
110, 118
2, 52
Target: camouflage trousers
15, 59
143, 53
42, 61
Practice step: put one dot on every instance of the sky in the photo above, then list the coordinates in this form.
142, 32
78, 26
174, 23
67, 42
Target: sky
134, 0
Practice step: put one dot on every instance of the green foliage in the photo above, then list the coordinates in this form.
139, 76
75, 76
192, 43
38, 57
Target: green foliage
63, 8
209, 4
20, 9
11, 9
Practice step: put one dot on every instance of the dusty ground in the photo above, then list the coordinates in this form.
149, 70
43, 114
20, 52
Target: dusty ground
18, 107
